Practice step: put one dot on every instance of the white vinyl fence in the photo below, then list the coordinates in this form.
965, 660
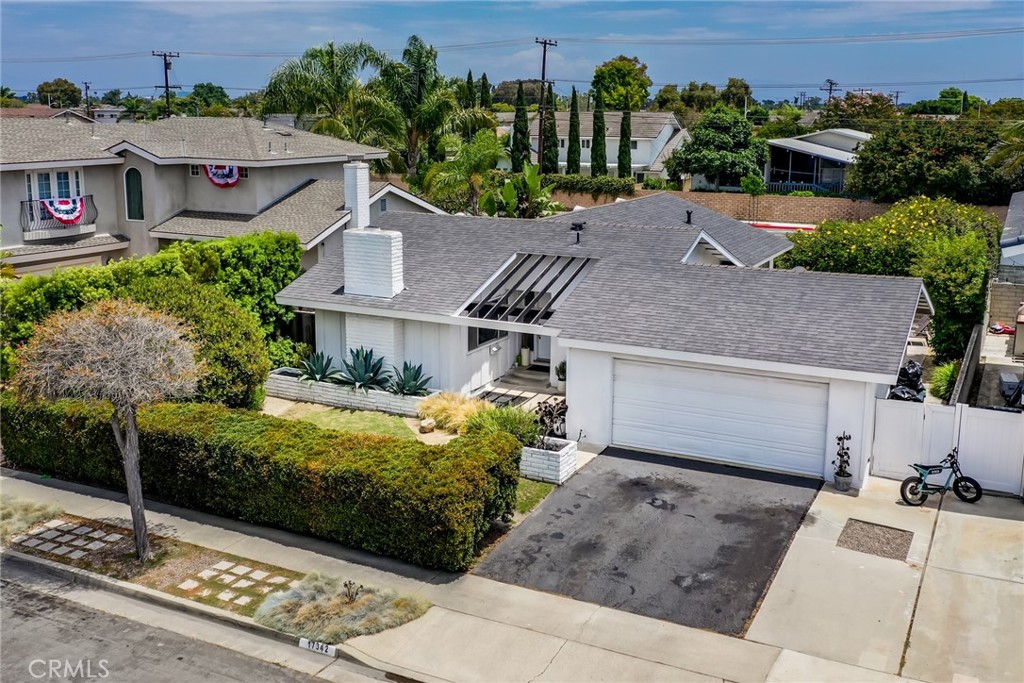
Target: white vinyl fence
991, 442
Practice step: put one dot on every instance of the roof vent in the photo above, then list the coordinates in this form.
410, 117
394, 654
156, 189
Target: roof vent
578, 226
689, 217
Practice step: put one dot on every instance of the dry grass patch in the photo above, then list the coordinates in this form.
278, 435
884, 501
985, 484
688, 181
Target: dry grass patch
18, 515
450, 410
326, 609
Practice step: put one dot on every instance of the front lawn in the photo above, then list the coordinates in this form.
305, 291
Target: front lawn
530, 493
363, 421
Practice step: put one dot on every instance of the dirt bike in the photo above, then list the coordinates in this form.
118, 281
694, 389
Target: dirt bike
915, 490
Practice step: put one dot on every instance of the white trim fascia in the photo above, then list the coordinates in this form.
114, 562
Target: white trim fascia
62, 254
393, 189
714, 243
460, 321
181, 237
60, 163
326, 232
287, 158
774, 256
913, 318
927, 298
730, 362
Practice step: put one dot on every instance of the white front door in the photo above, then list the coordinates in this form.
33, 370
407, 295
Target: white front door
746, 419
542, 348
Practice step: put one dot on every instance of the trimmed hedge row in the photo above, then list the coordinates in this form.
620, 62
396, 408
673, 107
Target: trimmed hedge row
595, 186
430, 505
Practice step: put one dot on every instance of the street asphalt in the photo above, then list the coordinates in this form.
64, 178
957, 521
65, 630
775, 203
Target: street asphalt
48, 638
691, 542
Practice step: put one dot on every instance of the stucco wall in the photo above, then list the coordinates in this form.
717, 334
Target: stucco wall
395, 203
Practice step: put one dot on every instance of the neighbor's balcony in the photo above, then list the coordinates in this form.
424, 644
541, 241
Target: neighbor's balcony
37, 223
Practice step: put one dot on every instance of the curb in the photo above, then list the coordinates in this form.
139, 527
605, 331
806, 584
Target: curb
83, 577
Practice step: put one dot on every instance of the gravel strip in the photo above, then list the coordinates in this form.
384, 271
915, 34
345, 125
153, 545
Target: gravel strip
875, 539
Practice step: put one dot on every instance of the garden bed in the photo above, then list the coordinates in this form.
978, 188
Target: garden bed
285, 383
554, 463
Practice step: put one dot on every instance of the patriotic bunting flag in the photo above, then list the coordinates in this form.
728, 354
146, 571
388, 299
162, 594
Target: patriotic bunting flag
68, 211
222, 176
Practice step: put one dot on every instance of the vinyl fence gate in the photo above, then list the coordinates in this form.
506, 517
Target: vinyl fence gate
991, 442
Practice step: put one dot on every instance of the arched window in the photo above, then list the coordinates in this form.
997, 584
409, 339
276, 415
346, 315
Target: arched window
133, 195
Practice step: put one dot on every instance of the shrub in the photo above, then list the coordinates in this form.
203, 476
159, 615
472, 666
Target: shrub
18, 515
450, 410
430, 505
326, 610
522, 424
753, 184
654, 183
944, 380
230, 341
287, 353
595, 186
801, 193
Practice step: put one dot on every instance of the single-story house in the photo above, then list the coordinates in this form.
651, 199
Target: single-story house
666, 350
1011, 243
816, 160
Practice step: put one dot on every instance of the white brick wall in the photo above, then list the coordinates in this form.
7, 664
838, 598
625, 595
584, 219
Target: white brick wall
357, 193
386, 336
550, 466
373, 262
294, 389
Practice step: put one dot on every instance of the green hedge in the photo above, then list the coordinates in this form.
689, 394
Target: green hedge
249, 269
430, 505
595, 186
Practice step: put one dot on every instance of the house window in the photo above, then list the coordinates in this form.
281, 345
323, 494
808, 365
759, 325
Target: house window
48, 184
632, 144
243, 172
585, 143
561, 143
133, 195
193, 170
482, 336
383, 204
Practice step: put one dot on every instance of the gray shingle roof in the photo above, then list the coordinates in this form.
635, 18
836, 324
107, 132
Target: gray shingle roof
63, 245
1013, 226
639, 293
643, 124
750, 245
829, 320
217, 139
307, 212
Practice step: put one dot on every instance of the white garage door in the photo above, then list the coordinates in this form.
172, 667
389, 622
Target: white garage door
777, 424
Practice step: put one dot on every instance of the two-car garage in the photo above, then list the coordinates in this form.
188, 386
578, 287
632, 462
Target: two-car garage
747, 419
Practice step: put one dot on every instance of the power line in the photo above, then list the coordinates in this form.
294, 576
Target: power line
166, 57
790, 86
815, 40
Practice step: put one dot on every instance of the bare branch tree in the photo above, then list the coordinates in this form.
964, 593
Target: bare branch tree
116, 351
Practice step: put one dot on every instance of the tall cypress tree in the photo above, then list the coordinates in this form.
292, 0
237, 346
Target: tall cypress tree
625, 155
485, 92
550, 159
470, 91
572, 154
520, 133
598, 153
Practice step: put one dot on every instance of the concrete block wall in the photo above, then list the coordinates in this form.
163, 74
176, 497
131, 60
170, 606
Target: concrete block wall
1004, 300
294, 389
551, 466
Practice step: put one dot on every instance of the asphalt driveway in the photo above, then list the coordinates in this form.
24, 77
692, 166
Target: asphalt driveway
681, 540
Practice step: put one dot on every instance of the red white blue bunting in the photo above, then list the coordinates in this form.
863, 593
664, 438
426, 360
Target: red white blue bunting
223, 176
68, 211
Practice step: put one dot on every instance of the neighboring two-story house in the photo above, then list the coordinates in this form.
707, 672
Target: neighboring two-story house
654, 136
80, 193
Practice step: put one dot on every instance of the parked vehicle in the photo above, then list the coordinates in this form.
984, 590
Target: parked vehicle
915, 490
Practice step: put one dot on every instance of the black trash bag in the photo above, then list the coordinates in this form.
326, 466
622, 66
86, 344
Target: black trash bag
910, 374
899, 393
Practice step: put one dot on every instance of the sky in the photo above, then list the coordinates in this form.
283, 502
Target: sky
81, 41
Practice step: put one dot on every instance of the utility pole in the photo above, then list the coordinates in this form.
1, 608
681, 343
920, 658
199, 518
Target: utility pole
167, 56
802, 95
88, 108
895, 94
545, 43
830, 87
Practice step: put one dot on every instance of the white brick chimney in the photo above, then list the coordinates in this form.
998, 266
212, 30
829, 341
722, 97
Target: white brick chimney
373, 262
357, 193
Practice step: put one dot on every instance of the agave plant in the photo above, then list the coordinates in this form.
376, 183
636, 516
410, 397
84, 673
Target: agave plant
363, 371
319, 367
409, 381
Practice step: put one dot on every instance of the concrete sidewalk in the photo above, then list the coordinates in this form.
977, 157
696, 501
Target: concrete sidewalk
479, 629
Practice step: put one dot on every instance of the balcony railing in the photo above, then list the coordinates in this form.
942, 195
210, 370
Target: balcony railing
38, 223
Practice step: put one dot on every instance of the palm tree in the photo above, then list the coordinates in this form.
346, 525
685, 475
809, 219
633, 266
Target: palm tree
465, 172
134, 109
1008, 153
428, 102
6, 93
324, 83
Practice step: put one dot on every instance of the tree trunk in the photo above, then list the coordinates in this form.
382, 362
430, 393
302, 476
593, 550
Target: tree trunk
128, 443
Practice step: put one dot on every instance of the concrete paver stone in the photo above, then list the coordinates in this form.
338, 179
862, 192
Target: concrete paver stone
76, 554
63, 550
82, 530
96, 545
223, 566
32, 542
189, 585
240, 570
49, 535
47, 547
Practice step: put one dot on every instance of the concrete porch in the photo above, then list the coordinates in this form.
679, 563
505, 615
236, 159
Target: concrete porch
520, 387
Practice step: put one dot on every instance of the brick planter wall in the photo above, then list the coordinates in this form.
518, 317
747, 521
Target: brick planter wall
551, 466
282, 384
